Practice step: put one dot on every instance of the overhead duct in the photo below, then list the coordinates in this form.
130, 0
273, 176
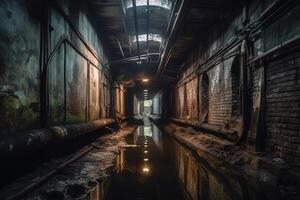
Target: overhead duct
126, 80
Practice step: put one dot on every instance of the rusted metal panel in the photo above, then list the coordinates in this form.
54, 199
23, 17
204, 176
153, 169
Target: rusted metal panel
76, 87
56, 88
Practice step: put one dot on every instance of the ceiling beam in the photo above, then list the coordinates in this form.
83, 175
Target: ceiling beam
120, 47
133, 58
125, 26
148, 24
175, 31
136, 27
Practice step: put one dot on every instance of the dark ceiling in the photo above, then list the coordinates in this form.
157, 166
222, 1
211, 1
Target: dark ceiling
171, 26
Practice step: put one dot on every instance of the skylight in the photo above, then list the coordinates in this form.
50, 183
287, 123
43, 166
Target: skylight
143, 38
160, 3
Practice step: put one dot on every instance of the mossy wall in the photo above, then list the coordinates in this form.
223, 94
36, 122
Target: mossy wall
75, 75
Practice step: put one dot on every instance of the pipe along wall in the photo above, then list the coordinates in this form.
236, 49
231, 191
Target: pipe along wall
53, 83
244, 84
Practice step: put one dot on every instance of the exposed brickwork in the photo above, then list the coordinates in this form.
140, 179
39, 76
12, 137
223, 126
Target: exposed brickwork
220, 94
223, 96
283, 107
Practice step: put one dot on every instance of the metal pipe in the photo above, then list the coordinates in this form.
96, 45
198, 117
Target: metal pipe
161, 64
227, 134
38, 139
171, 16
143, 56
125, 26
277, 48
215, 62
120, 47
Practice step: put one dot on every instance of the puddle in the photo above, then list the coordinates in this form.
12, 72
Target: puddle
154, 166
145, 171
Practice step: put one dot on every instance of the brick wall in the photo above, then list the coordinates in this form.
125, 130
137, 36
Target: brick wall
220, 94
283, 107
223, 95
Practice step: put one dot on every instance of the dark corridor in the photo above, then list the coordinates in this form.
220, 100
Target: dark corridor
150, 99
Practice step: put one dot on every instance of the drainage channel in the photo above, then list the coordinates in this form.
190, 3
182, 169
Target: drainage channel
145, 170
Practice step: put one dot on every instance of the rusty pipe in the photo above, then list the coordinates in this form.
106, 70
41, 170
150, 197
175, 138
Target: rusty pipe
37, 139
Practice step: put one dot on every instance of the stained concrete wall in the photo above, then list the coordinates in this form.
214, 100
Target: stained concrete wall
272, 82
86, 85
78, 84
19, 67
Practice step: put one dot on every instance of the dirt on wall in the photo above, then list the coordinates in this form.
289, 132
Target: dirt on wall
19, 68
75, 74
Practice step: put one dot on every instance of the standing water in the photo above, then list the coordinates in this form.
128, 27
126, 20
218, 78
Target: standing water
147, 171
155, 166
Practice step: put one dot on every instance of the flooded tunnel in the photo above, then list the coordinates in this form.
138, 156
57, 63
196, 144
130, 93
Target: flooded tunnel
150, 100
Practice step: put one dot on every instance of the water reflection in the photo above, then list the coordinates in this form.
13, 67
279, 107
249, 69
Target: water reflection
147, 131
168, 169
147, 172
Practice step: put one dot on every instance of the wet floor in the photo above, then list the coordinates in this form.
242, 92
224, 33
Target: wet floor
155, 166
146, 171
